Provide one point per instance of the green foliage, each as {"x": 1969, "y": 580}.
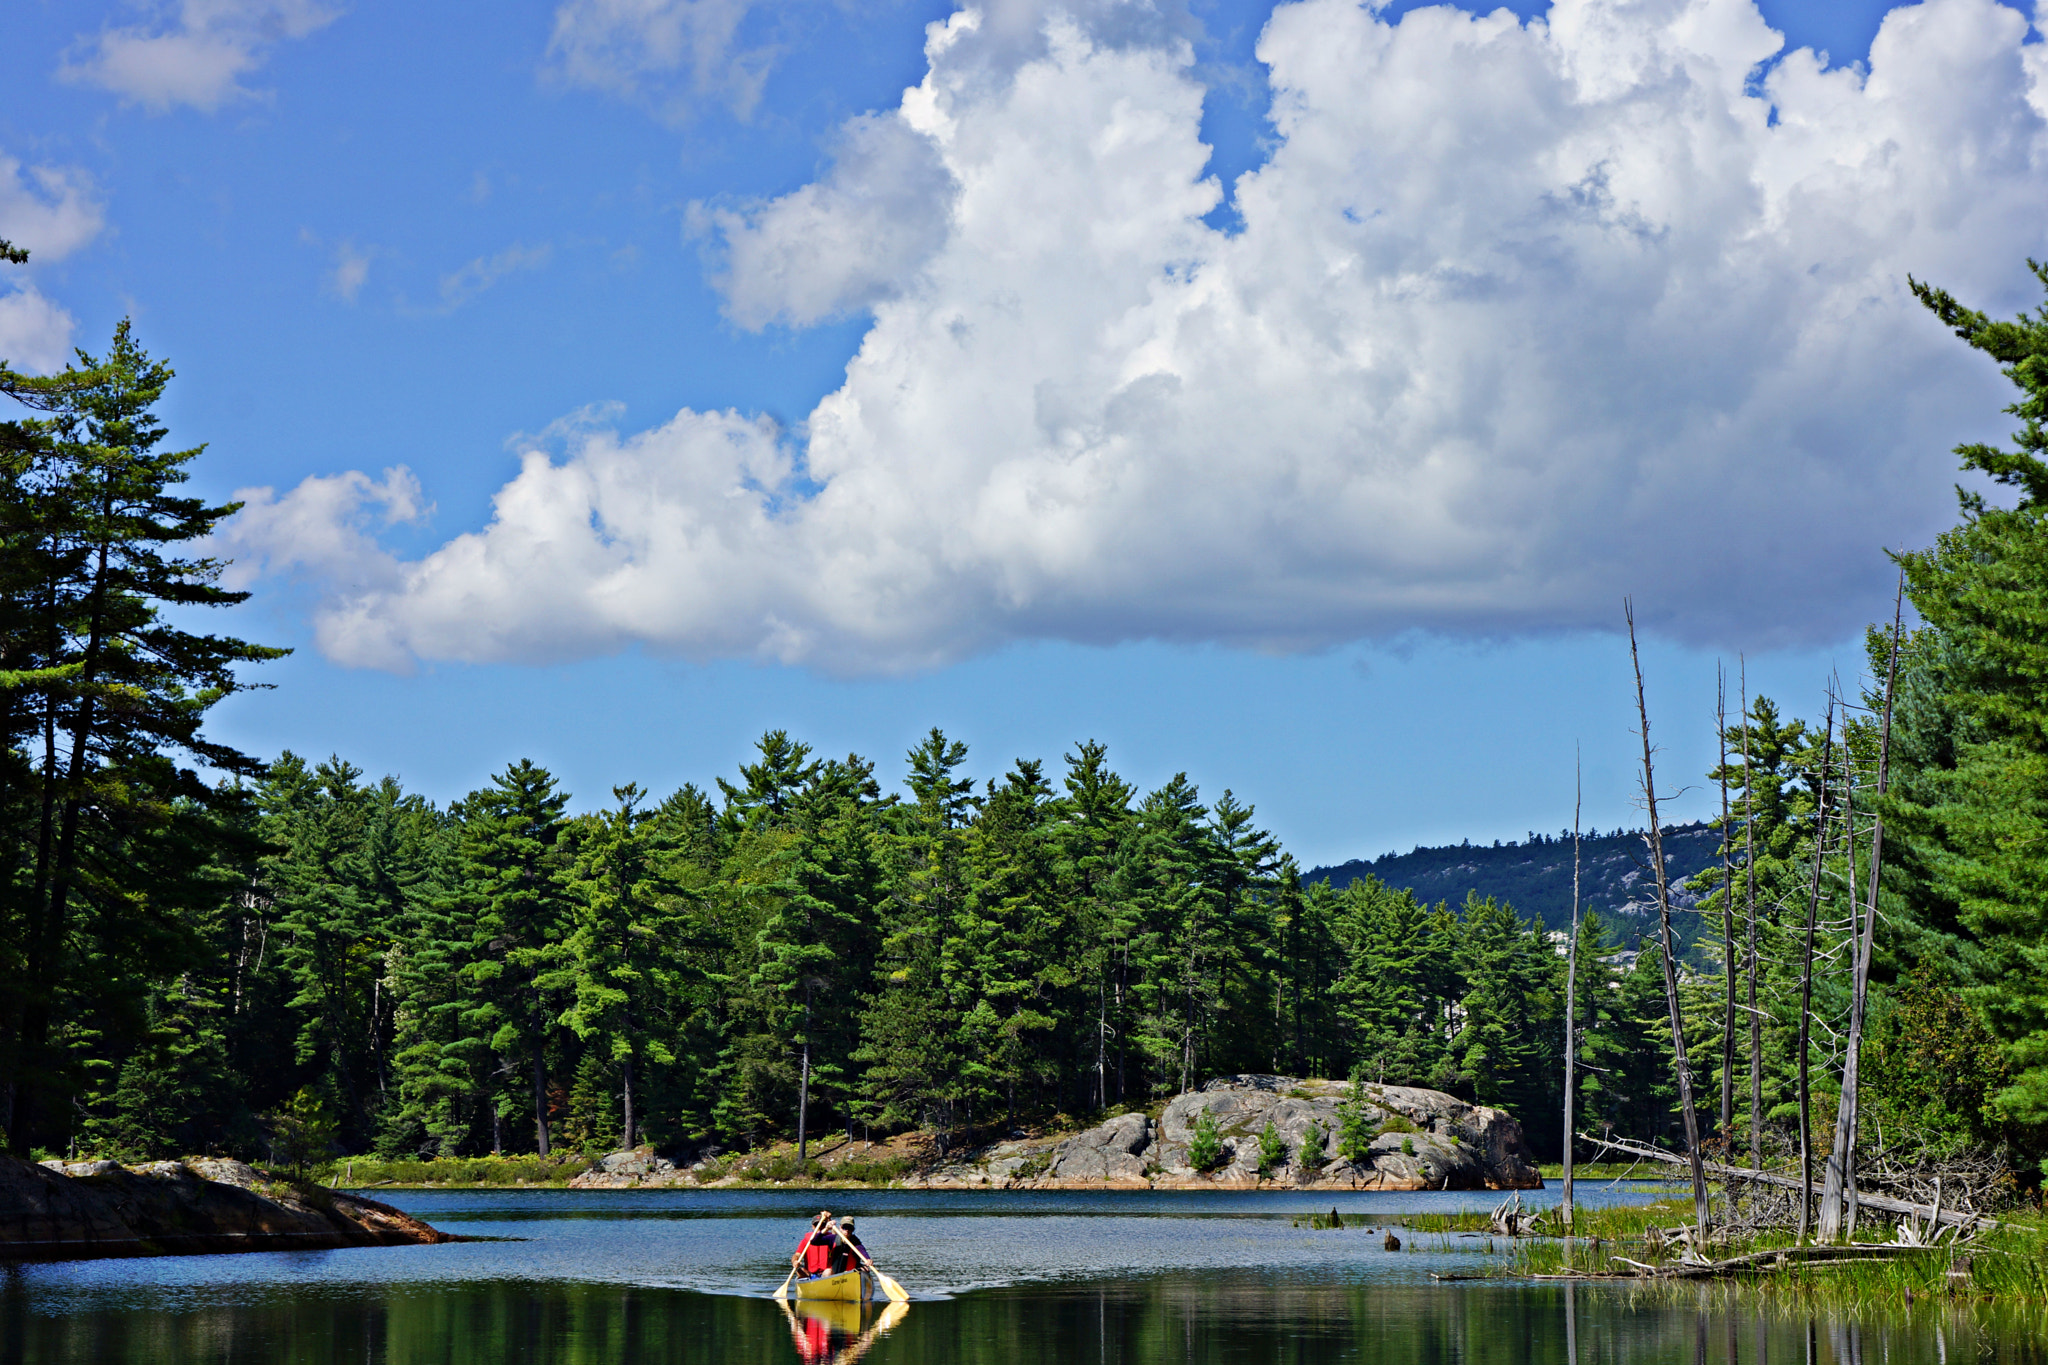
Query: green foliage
{"x": 1205, "y": 1144}
{"x": 302, "y": 1132}
{"x": 359, "y": 1172}
{"x": 1272, "y": 1150}
{"x": 1314, "y": 1151}
{"x": 869, "y": 1171}
{"x": 1935, "y": 1071}
{"x": 1407, "y": 1146}
{"x": 1355, "y": 1130}
{"x": 1970, "y": 810}
{"x": 113, "y": 850}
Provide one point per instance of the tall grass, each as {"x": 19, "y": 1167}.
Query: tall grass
{"x": 2008, "y": 1264}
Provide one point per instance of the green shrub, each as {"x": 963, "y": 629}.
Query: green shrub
{"x": 1314, "y": 1149}
{"x": 1272, "y": 1149}
{"x": 1407, "y": 1146}
{"x": 476, "y": 1170}
{"x": 1355, "y": 1130}
{"x": 302, "y": 1133}
{"x": 869, "y": 1171}
{"x": 1205, "y": 1148}
{"x": 1397, "y": 1123}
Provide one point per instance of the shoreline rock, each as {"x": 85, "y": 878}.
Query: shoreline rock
{"x": 1424, "y": 1140}
{"x": 1427, "y": 1140}
{"x": 60, "y": 1211}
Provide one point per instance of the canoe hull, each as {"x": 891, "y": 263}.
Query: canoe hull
{"x": 852, "y": 1286}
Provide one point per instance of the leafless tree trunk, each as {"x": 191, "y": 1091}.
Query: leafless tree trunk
{"x": 1756, "y": 1019}
{"x": 1838, "y": 1208}
{"x": 1820, "y": 831}
{"x": 1727, "y": 920}
{"x": 626, "y": 1089}
{"x": 540, "y": 1101}
{"x": 1681, "y": 1064}
{"x": 1571, "y": 1000}
{"x": 1829, "y": 1223}
{"x": 803, "y": 1091}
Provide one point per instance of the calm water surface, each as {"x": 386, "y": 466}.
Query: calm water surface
{"x": 622, "y": 1277}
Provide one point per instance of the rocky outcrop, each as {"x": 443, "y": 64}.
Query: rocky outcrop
{"x": 1112, "y": 1154}
{"x": 628, "y": 1170}
{"x": 65, "y": 1211}
{"x": 1418, "y": 1139}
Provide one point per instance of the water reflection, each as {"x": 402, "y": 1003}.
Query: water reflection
{"x": 1173, "y": 1317}
{"x": 838, "y": 1333}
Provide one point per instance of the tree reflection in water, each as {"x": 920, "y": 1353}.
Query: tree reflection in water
{"x": 1207, "y": 1318}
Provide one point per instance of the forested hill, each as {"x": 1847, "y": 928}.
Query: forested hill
{"x": 1536, "y": 876}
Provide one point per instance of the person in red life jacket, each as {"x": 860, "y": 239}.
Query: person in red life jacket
{"x": 844, "y": 1246}
{"x": 813, "y": 1255}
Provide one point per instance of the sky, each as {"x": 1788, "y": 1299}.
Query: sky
{"x": 1286, "y": 394}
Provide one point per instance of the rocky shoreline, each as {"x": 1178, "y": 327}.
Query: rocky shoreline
{"x": 1423, "y": 1140}
{"x": 85, "y": 1209}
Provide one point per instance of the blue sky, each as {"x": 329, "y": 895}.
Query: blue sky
{"x": 375, "y": 236}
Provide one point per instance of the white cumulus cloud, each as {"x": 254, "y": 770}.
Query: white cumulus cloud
{"x": 196, "y": 54}
{"x": 50, "y": 212}
{"x": 1520, "y": 317}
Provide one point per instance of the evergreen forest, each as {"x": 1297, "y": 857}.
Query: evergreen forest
{"x": 200, "y": 948}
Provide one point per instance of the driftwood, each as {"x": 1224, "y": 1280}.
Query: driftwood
{"x": 1882, "y": 1203}
{"x": 1783, "y": 1257}
{"x": 1778, "y": 1258}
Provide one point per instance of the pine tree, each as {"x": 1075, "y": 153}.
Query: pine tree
{"x": 1979, "y": 825}
{"x": 1091, "y": 842}
{"x": 617, "y": 965}
{"x": 513, "y": 877}
{"x": 911, "y": 1026}
{"x": 110, "y": 695}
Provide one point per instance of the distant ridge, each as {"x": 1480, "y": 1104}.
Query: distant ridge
{"x": 1535, "y": 875}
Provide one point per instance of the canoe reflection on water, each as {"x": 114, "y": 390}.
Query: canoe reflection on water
{"x": 838, "y": 1331}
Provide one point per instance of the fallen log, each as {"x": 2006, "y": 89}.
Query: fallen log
{"x": 1882, "y": 1203}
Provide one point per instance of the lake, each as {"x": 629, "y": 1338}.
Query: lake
{"x": 620, "y": 1277}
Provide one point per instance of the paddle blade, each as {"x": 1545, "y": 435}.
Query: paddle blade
{"x": 892, "y": 1289}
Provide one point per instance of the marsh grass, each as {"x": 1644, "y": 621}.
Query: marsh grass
{"x": 2007, "y": 1265}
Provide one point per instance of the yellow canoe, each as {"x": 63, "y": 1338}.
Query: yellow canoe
{"x": 851, "y": 1286}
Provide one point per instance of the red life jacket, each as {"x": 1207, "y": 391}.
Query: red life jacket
{"x": 818, "y": 1254}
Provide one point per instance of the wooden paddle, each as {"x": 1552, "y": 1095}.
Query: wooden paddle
{"x": 797, "y": 1260}
{"x": 889, "y": 1286}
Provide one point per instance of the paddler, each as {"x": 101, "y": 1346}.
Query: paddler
{"x": 813, "y": 1255}
{"x": 844, "y": 1247}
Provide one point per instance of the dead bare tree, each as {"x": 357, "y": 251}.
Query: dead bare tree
{"x": 1681, "y": 1064}
{"x": 1727, "y": 919}
{"x": 1756, "y": 1018}
{"x": 1820, "y": 830}
{"x": 1838, "y": 1192}
{"x": 1571, "y": 998}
